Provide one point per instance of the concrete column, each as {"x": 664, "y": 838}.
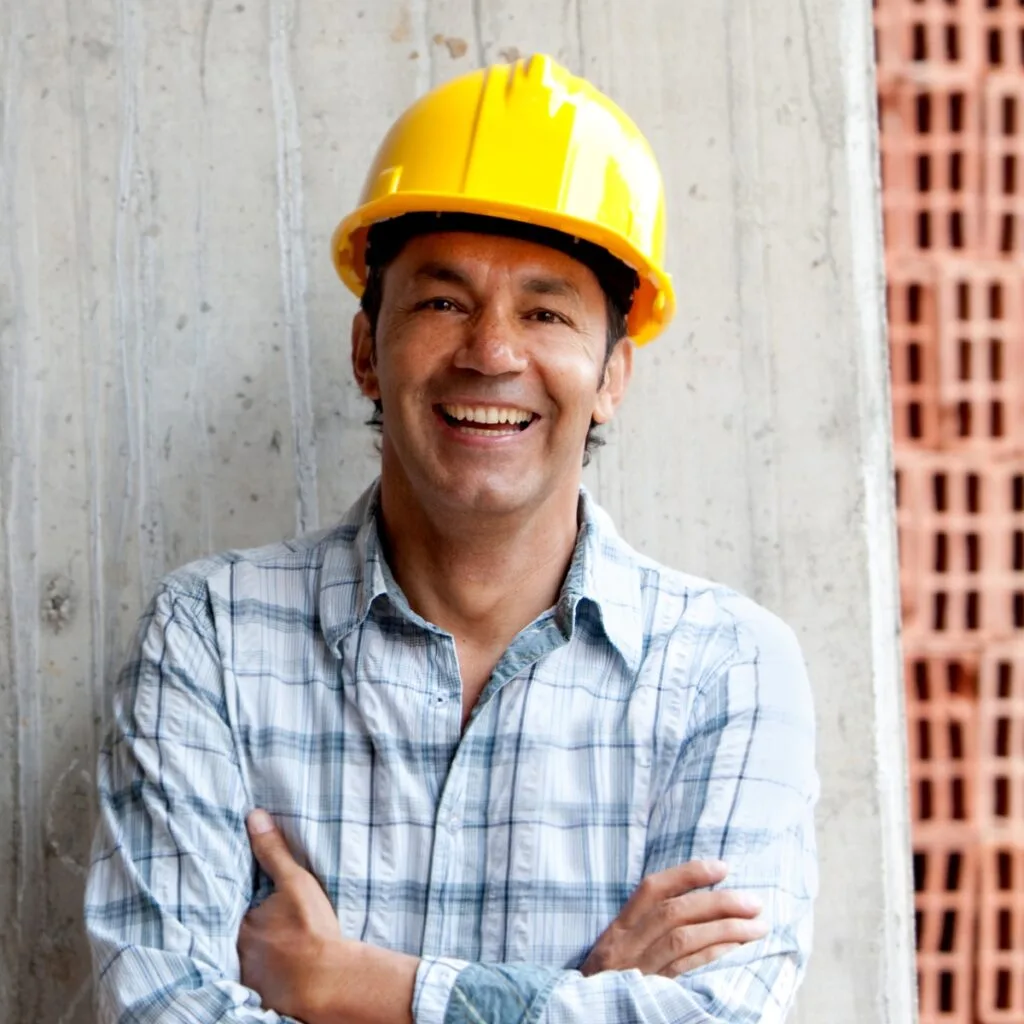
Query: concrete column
{"x": 174, "y": 379}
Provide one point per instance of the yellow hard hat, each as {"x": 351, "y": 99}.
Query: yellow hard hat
{"x": 527, "y": 142}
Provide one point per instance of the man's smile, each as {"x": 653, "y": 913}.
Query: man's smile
{"x": 485, "y": 420}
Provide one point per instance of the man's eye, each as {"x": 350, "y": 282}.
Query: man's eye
{"x": 547, "y": 316}
{"x": 438, "y": 305}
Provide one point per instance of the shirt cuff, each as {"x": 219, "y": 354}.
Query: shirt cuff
{"x": 435, "y": 979}
{"x": 456, "y": 992}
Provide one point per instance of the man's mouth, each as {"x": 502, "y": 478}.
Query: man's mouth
{"x": 486, "y": 419}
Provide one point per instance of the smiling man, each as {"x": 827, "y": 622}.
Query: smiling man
{"x": 467, "y": 756}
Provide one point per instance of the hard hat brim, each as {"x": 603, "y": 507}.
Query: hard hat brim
{"x": 654, "y": 301}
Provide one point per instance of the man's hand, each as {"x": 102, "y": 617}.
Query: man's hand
{"x": 666, "y": 928}
{"x": 285, "y": 944}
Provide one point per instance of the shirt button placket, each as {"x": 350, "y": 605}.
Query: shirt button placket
{"x": 441, "y": 924}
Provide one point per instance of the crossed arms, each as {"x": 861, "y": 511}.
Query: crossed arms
{"x": 171, "y": 882}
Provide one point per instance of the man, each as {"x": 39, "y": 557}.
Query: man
{"x": 491, "y": 759}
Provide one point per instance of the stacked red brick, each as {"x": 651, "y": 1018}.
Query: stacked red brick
{"x": 951, "y": 103}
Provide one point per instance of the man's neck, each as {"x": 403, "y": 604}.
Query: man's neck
{"x": 481, "y": 578}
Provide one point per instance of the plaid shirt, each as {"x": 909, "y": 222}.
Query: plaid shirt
{"x": 647, "y": 719}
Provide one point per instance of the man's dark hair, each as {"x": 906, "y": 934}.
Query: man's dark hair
{"x": 387, "y": 239}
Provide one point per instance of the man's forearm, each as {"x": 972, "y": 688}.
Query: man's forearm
{"x": 362, "y": 984}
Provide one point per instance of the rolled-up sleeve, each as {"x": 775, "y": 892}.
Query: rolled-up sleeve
{"x": 743, "y": 789}
{"x": 171, "y": 874}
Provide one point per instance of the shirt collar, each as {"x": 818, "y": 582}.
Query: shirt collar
{"x": 603, "y": 572}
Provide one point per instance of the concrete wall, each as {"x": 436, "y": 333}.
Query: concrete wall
{"x": 173, "y": 372}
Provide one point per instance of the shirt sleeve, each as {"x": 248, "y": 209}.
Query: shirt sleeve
{"x": 172, "y": 871}
{"x": 743, "y": 789}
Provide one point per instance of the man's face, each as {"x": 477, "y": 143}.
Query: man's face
{"x": 489, "y": 361}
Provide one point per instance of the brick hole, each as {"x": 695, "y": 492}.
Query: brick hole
{"x": 956, "y": 112}
{"x": 914, "y": 304}
{"x": 959, "y": 803}
{"x": 921, "y": 679}
{"x": 995, "y": 359}
{"x": 1004, "y": 869}
{"x": 995, "y": 301}
{"x": 914, "y": 425}
{"x": 1018, "y": 493}
{"x": 924, "y": 788}
{"x": 1005, "y": 930}
{"x": 920, "y": 870}
{"x": 1006, "y": 233}
{"x": 954, "y": 868}
{"x": 924, "y": 230}
{"x": 973, "y": 492}
{"x": 1018, "y": 550}
{"x": 914, "y": 363}
{"x": 898, "y": 485}
{"x": 946, "y": 992}
{"x": 1018, "y": 610}
{"x": 1009, "y": 174}
{"x": 1003, "y": 990}
{"x": 956, "y": 741}
{"x": 972, "y": 611}
{"x": 956, "y": 229}
{"x": 973, "y": 544}
{"x": 918, "y": 930}
{"x": 963, "y": 301}
{"x": 1001, "y": 797}
{"x": 964, "y": 359}
{"x": 924, "y": 740}
{"x": 956, "y": 172}
{"x": 941, "y": 552}
{"x": 1009, "y": 119}
{"x": 963, "y": 419}
{"x": 939, "y": 613}
{"x": 1020, "y": 45}
{"x": 923, "y": 112}
{"x": 995, "y": 419}
{"x": 939, "y": 491}
{"x": 955, "y": 678}
{"x": 920, "y": 43}
{"x": 952, "y": 42}
{"x": 924, "y": 173}
{"x": 995, "y": 47}
{"x": 1002, "y": 737}
{"x": 1005, "y": 679}
{"x": 947, "y": 940}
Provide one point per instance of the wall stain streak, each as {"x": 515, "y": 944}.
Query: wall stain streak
{"x": 19, "y": 452}
{"x": 290, "y": 215}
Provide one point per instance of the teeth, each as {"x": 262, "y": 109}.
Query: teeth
{"x": 486, "y": 414}
{"x": 486, "y": 433}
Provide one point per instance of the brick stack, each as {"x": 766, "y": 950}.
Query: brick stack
{"x": 951, "y": 107}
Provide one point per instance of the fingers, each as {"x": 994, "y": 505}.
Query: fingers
{"x": 269, "y": 847}
{"x": 700, "y": 959}
{"x": 696, "y": 908}
{"x": 674, "y": 881}
{"x": 689, "y": 943}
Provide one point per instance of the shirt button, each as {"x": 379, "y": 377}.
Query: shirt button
{"x": 454, "y": 823}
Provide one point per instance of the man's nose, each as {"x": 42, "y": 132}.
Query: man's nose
{"x": 492, "y": 344}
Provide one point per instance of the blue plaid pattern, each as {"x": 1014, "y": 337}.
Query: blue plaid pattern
{"x": 648, "y": 719}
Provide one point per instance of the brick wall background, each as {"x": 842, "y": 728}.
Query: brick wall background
{"x": 951, "y": 107}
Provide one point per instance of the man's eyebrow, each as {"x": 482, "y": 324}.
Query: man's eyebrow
{"x": 445, "y": 273}
{"x": 552, "y": 286}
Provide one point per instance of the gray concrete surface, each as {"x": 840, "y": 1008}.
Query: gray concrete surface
{"x": 173, "y": 373}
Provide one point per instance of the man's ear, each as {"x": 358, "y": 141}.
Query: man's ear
{"x": 617, "y": 375}
{"x": 364, "y": 356}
